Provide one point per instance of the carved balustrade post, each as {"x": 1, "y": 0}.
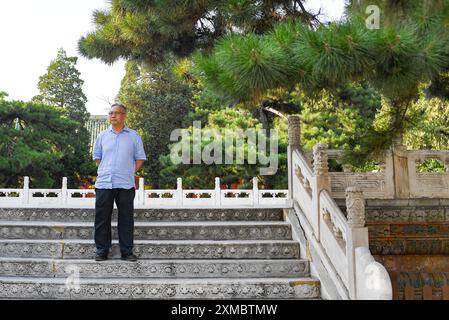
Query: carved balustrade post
{"x": 400, "y": 169}
{"x": 294, "y": 143}
{"x": 357, "y": 233}
{"x": 26, "y": 190}
{"x": 321, "y": 182}
{"x": 179, "y": 195}
{"x": 141, "y": 192}
{"x": 64, "y": 191}
{"x": 255, "y": 192}
{"x": 355, "y": 207}
{"x": 217, "y": 192}
{"x": 294, "y": 131}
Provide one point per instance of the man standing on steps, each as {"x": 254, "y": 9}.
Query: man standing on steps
{"x": 119, "y": 153}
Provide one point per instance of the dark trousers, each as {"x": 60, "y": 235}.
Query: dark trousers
{"x": 104, "y": 203}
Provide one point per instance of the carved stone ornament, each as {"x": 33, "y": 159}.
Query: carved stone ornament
{"x": 320, "y": 165}
{"x": 355, "y": 206}
{"x": 294, "y": 131}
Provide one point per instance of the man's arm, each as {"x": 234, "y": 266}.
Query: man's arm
{"x": 139, "y": 153}
{"x": 97, "y": 151}
{"x": 139, "y": 163}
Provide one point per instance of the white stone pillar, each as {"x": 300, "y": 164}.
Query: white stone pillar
{"x": 294, "y": 139}
{"x": 64, "y": 191}
{"x": 217, "y": 192}
{"x": 179, "y": 196}
{"x": 358, "y": 234}
{"x": 26, "y": 191}
{"x": 255, "y": 192}
{"x": 320, "y": 182}
{"x": 141, "y": 192}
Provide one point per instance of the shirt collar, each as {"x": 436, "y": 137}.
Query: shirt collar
{"x": 125, "y": 129}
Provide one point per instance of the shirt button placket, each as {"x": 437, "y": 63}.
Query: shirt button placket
{"x": 114, "y": 169}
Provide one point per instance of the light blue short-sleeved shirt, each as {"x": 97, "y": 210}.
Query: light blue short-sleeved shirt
{"x": 118, "y": 153}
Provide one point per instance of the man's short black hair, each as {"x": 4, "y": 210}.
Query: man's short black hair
{"x": 119, "y": 105}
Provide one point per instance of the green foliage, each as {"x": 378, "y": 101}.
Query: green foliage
{"x": 62, "y": 86}
{"x": 343, "y": 120}
{"x": 39, "y": 141}
{"x": 150, "y": 30}
{"x": 243, "y": 63}
{"x": 394, "y": 60}
{"x": 354, "y": 88}
{"x": 429, "y": 126}
{"x": 432, "y": 165}
{"x": 202, "y": 176}
{"x": 157, "y": 103}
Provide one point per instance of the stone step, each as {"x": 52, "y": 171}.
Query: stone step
{"x": 267, "y": 288}
{"x": 26, "y": 267}
{"x": 150, "y": 231}
{"x": 145, "y": 249}
{"x": 144, "y": 215}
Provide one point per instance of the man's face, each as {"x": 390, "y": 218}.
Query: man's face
{"x": 117, "y": 116}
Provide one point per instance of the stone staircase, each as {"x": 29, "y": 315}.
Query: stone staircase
{"x": 183, "y": 254}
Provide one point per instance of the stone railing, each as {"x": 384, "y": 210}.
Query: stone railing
{"x": 340, "y": 241}
{"x": 153, "y": 198}
{"x": 397, "y": 177}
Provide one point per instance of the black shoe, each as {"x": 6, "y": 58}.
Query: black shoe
{"x": 129, "y": 257}
{"x": 101, "y": 257}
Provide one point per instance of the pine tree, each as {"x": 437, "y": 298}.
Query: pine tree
{"x": 148, "y": 30}
{"x": 38, "y": 141}
{"x": 157, "y": 103}
{"x": 61, "y": 86}
{"x": 395, "y": 60}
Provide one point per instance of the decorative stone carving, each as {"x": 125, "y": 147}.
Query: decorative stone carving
{"x": 294, "y": 131}
{"x": 298, "y": 172}
{"x": 149, "y": 232}
{"x": 146, "y": 215}
{"x": 83, "y": 250}
{"x": 320, "y": 165}
{"x": 97, "y": 289}
{"x": 355, "y": 206}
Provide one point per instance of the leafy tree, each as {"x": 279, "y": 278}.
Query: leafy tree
{"x": 430, "y": 128}
{"x": 61, "y": 86}
{"x": 342, "y": 121}
{"x": 157, "y": 102}
{"x": 202, "y": 176}
{"x": 395, "y": 60}
{"x": 149, "y": 30}
{"x": 38, "y": 141}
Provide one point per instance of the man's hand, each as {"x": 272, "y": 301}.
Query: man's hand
{"x": 139, "y": 164}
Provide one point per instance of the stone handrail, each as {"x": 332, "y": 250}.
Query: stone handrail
{"x": 153, "y": 198}
{"x": 426, "y": 184}
{"x": 397, "y": 177}
{"x": 338, "y": 239}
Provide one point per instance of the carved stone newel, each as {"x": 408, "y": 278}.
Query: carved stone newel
{"x": 320, "y": 165}
{"x": 355, "y": 207}
{"x": 294, "y": 131}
